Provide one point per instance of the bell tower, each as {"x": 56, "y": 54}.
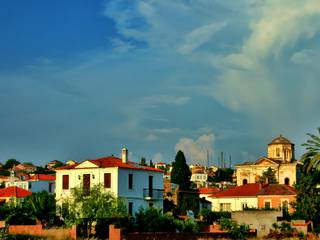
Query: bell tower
{"x": 281, "y": 149}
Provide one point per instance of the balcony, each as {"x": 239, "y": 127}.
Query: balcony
{"x": 152, "y": 194}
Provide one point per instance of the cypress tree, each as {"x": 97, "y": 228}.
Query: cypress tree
{"x": 181, "y": 173}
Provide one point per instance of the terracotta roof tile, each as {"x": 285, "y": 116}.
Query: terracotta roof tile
{"x": 14, "y": 191}
{"x": 106, "y": 162}
{"x": 277, "y": 189}
{"x": 43, "y": 177}
{"x": 246, "y": 190}
{"x": 209, "y": 190}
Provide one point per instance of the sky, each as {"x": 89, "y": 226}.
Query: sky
{"x": 81, "y": 79}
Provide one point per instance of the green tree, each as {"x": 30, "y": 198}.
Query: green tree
{"x": 311, "y": 159}
{"x": 42, "y": 206}
{"x": 10, "y": 163}
{"x": 308, "y": 197}
{"x": 181, "y": 173}
{"x": 84, "y": 209}
{"x": 268, "y": 176}
{"x": 222, "y": 174}
{"x": 307, "y": 203}
{"x": 143, "y": 161}
{"x": 151, "y": 163}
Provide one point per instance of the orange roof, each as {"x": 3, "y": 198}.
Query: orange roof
{"x": 277, "y": 189}
{"x": 14, "y": 191}
{"x": 43, "y": 177}
{"x": 209, "y": 190}
{"x": 247, "y": 190}
{"x": 106, "y": 162}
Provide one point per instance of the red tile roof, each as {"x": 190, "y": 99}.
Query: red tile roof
{"x": 43, "y": 177}
{"x": 247, "y": 190}
{"x": 209, "y": 190}
{"x": 277, "y": 189}
{"x": 14, "y": 192}
{"x": 106, "y": 162}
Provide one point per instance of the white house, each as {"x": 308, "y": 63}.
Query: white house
{"x": 236, "y": 198}
{"x": 139, "y": 186}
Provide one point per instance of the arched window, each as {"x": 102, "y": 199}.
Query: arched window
{"x": 278, "y": 152}
{"x": 286, "y": 181}
{"x": 244, "y": 181}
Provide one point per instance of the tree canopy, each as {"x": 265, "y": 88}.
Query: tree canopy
{"x": 181, "y": 173}
{"x": 10, "y": 163}
{"x": 268, "y": 176}
{"x": 311, "y": 159}
{"x": 308, "y": 197}
{"x": 222, "y": 174}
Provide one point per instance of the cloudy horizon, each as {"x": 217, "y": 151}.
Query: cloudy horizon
{"x": 82, "y": 79}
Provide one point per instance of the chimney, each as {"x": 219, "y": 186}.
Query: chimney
{"x": 124, "y": 155}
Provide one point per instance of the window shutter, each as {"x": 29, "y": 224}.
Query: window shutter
{"x": 107, "y": 180}
{"x": 65, "y": 182}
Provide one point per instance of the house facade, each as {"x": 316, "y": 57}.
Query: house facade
{"x": 139, "y": 186}
{"x": 236, "y": 198}
{"x": 277, "y": 196}
{"x": 280, "y": 158}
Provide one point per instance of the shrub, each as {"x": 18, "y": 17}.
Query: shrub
{"x": 209, "y": 217}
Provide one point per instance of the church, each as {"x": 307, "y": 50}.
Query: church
{"x": 280, "y": 158}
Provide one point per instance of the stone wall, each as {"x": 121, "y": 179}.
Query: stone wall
{"x": 37, "y": 230}
{"x": 260, "y": 220}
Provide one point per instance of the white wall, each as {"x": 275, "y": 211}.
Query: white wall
{"x": 119, "y": 183}
{"x": 236, "y": 203}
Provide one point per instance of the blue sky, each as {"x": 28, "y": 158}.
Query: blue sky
{"x": 82, "y": 79}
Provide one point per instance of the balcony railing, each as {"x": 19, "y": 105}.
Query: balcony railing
{"x": 152, "y": 194}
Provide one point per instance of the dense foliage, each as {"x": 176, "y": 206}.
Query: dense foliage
{"x": 210, "y": 217}
{"x": 237, "y": 231}
{"x": 268, "y": 176}
{"x": 10, "y": 163}
{"x": 85, "y": 207}
{"x": 152, "y": 220}
{"x": 181, "y": 173}
{"x": 308, "y": 198}
{"x": 222, "y": 175}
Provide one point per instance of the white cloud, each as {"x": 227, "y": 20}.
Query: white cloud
{"x": 166, "y": 99}
{"x": 305, "y": 56}
{"x": 199, "y": 36}
{"x": 196, "y": 150}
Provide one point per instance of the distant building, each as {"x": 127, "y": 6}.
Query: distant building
{"x": 54, "y": 164}
{"x": 280, "y": 158}
{"x": 71, "y": 162}
{"x": 26, "y": 167}
{"x": 139, "y": 186}
{"x": 13, "y": 194}
{"x": 34, "y": 183}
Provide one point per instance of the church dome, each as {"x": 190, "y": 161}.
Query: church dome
{"x": 280, "y": 140}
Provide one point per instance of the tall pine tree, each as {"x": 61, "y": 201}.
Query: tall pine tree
{"x": 181, "y": 173}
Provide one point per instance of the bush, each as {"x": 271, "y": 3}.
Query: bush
{"x": 237, "y": 231}
{"x": 153, "y": 220}
{"x": 209, "y": 217}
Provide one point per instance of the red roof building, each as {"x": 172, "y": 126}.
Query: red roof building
{"x": 12, "y": 193}
{"x": 107, "y": 162}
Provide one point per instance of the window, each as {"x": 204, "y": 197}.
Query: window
{"x": 278, "y": 152}
{"x": 267, "y": 204}
{"x": 286, "y": 181}
{"x": 130, "y": 182}
{"x": 130, "y": 207}
{"x": 244, "y": 181}
{"x": 65, "y": 181}
{"x": 225, "y": 207}
{"x": 244, "y": 206}
{"x": 107, "y": 180}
